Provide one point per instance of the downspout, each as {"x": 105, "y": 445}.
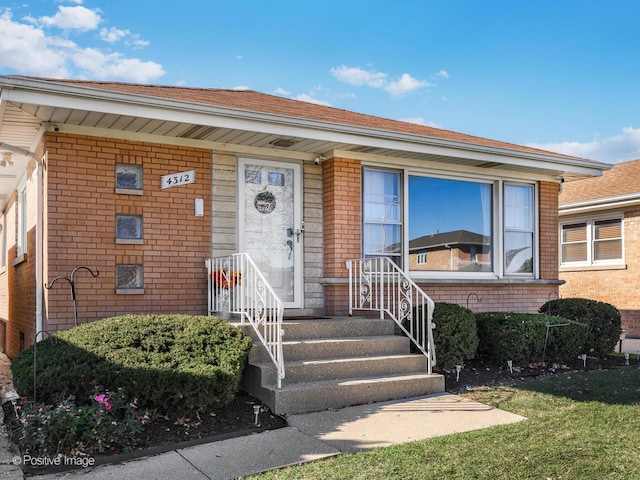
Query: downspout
{"x": 40, "y": 333}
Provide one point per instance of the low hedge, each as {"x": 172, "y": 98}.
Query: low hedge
{"x": 603, "y": 319}
{"x": 455, "y": 335}
{"x": 520, "y": 337}
{"x": 167, "y": 362}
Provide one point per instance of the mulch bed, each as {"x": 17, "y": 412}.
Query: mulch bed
{"x": 168, "y": 433}
{"x": 480, "y": 372}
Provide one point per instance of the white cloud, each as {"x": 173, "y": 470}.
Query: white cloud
{"x": 113, "y": 34}
{"x": 308, "y": 98}
{"x": 613, "y": 149}
{"x": 241, "y": 88}
{"x": 73, "y": 18}
{"x": 442, "y": 74}
{"x": 282, "y": 91}
{"x": 31, "y": 49}
{"x": 405, "y": 85}
{"x": 358, "y": 77}
{"x": 96, "y": 64}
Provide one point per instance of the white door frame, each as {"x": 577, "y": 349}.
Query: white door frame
{"x": 298, "y": 224}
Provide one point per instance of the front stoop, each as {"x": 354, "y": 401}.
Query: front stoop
{"x": 338, "y": 362}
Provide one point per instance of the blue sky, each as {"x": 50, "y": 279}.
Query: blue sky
{"x": 563, "y": 75}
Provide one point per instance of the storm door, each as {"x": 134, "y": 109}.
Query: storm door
{"x": 271, "y": 230}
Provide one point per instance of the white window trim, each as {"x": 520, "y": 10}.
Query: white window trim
{"x": 536, "y": 229}
{"x": 402, "y": 257}
{"x": 590, "y": 222}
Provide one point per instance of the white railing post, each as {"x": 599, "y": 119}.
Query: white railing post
{"x": 235, "y": 285}
{"x": 381, "y": 286}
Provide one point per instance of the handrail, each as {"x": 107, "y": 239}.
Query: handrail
{"x": 378, "y": 284}
{"x": 236, "y": 285}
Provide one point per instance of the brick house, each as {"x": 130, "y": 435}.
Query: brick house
{"x": 600, "y": 240}
{"x": 143, "y": 183}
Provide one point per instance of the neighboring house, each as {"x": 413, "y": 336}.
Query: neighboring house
{"x": 459, "y": 251}
{"x": 600, "y": 240}
{"x": 143, "y": 183}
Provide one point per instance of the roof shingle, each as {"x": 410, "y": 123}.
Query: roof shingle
{"x": 253, "y": 101}
{"x": 622, "y": 179}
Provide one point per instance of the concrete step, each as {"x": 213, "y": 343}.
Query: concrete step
{"x": 326, "y": 348}
{"x": 328, "y": 328}
{"x": 339, "y": 368}
{"x": 337, "y": 327}
{"x": 317, "y": 396}
{"x": 337, "y": 362}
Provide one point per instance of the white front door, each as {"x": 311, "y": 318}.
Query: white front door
{"x": 270, "y": 224}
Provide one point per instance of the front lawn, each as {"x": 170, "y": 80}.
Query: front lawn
{"x": 580, "y": 425}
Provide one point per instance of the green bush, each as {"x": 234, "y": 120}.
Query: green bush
{"x": 455, "y": 335}
{"x": 603, "y": 319}
{"x": 520, "y": 337}
{"x": 168, "y": 362}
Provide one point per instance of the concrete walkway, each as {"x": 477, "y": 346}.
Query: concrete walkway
{"x": 309, "y": 437}
{"x": 630, "y": 346}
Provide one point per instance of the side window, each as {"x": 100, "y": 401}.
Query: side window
{"x": 518, "y": 228}
{"x": 591, "y": 242}
{"x": 382, "y": 215}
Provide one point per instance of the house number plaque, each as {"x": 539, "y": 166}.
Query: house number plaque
{"x": 176, "y": 179}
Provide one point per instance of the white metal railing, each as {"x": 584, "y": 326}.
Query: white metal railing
{"x": 236, "y": 285}
{"x": 378, "y": 284}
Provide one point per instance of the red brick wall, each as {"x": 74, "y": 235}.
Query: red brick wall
{"x": 342, "y": 214}
{"x": 81, "y": 211}
{"x": 548, "y": 230}
{"x": 22, "y": 292}
{"x": 618, "y": 287}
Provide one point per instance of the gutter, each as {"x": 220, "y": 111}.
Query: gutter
{"x": 620, "y": 201}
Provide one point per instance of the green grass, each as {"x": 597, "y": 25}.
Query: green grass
{"x": 579, "y": 426}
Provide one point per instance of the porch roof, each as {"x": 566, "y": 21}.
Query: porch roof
{"x": 247, "y": 122}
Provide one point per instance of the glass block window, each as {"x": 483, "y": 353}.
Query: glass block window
{"x": 128, "y": 276}
{"x": 129, "y": 227}
{"x": 129, "y": 176}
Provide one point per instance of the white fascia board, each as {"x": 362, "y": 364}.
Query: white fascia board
{"x": 72, "y": 97}
{"x": 608, "y": 203}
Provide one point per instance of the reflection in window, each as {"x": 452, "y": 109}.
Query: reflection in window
{"x": 276, "y": 179}
{"x": 450, "y": 220}
{"x": 518, "y": 229}
{"x": 382, "y": 214}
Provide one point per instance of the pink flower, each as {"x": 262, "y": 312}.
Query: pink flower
{"x": 99, "y": 398}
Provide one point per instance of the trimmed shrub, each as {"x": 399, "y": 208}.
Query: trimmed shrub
{"x": 455, "y": 335}
{"x": 521, "y": 336}
{"x": 167, "y": 362}
{"x": 603, "y": 319}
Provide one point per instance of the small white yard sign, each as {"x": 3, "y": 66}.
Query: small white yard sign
{"x": 176, "y": 179}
